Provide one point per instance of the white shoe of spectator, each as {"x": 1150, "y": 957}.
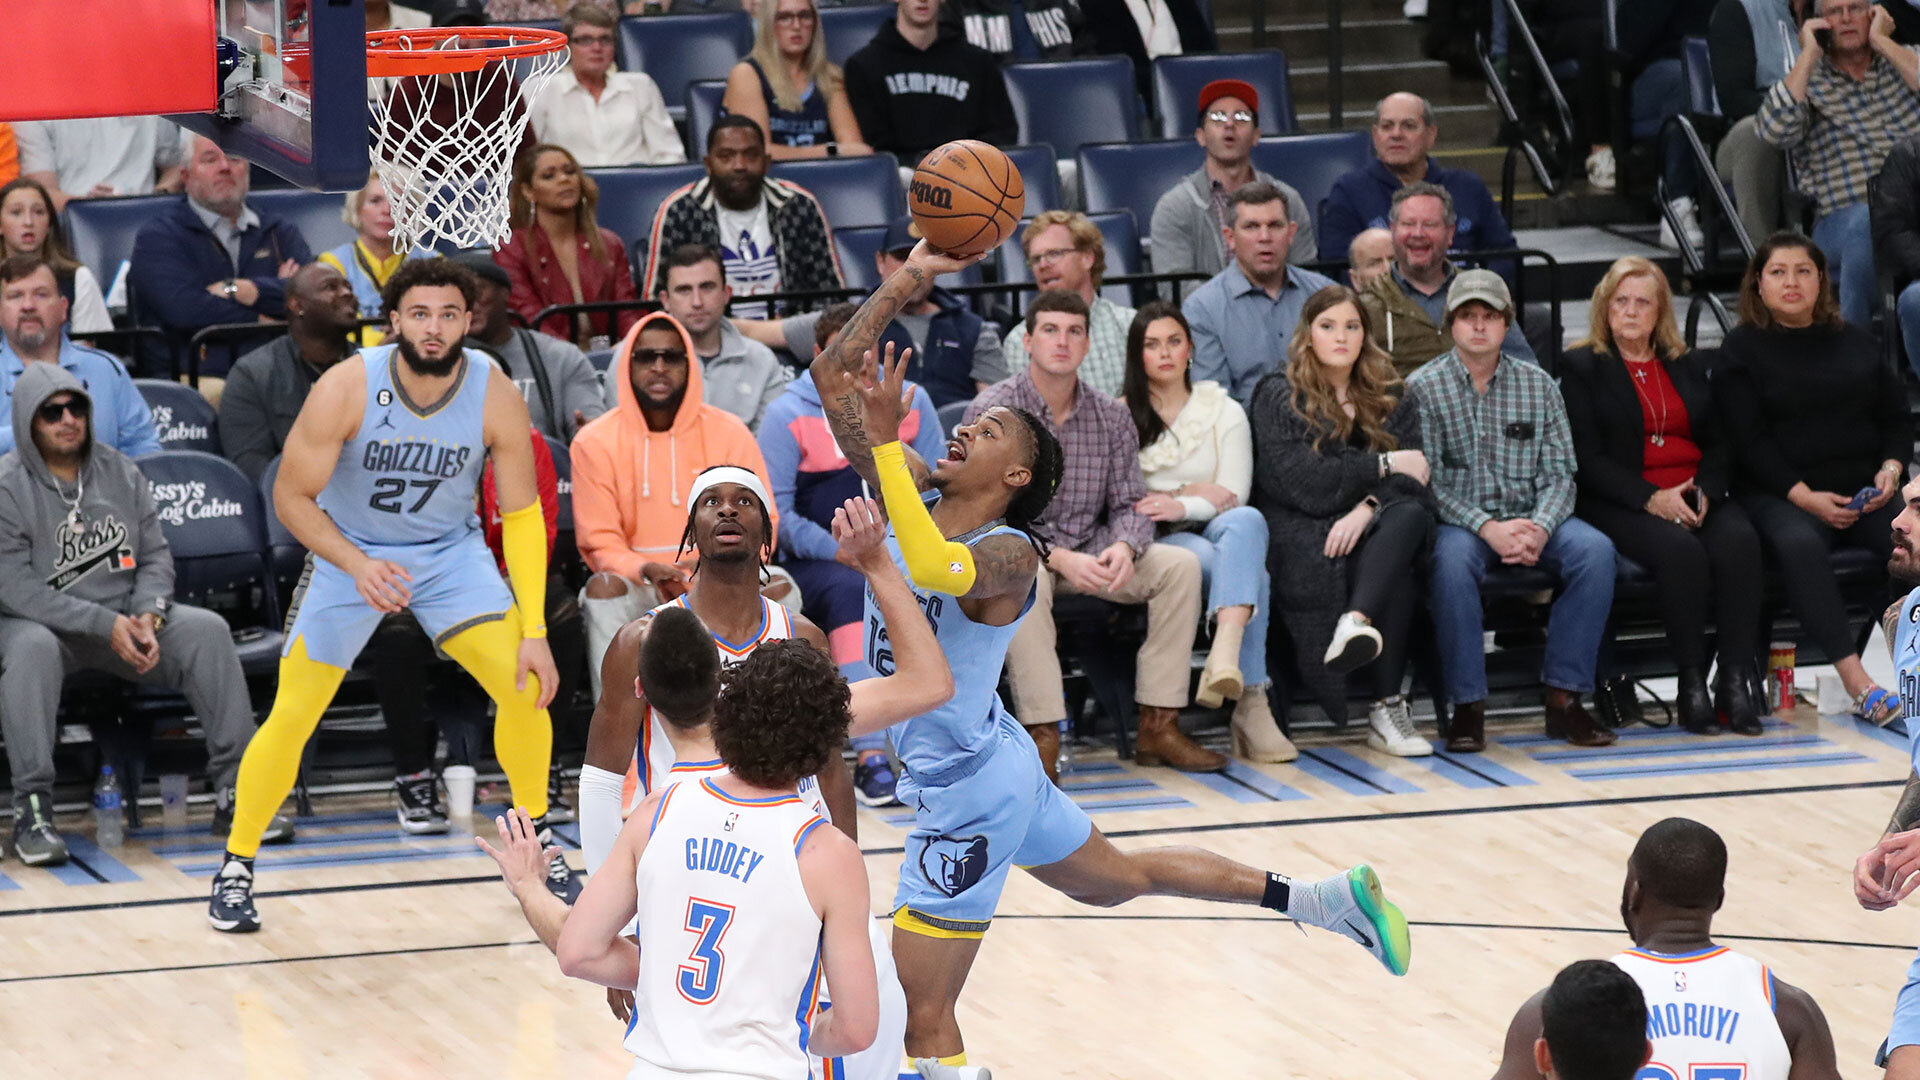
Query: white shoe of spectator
{"x": 1392, "y": 730}
{"x": 1415, "y": 9}
{"x": 1683, "y": 209}
{"x": 1600, "y": 169}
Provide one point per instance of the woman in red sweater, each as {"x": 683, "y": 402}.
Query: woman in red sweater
{"x": 559, "y": 254}
{"x": 1654, "y": 471}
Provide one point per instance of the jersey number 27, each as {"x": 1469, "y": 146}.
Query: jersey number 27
{"x": 389, "y": 490}
{"x": 699, "y": 978}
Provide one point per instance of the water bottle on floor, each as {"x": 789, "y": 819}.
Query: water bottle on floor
{"x": 107, "y": 826}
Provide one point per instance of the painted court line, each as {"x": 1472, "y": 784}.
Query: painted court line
{"x": 1735, "y": 765}
{"x": 1708, "y": 744}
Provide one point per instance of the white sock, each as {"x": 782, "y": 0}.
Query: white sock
{"x": 599, "y": 814}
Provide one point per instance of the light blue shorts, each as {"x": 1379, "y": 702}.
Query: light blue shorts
{"x": 455, "y": 586}
{"x": 971, "y": 825}
{"x": 1906, "y": 1014}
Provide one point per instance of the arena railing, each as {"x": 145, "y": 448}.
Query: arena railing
{"x": 1514, "y": 125}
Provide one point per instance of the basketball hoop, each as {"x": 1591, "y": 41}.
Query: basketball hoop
{"x": 445, "y": 129}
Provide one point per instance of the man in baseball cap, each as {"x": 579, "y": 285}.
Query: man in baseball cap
{"x": 562, "y": 389}
{"x": 1191, "y": 219}
{"x": 1503, "y": 479}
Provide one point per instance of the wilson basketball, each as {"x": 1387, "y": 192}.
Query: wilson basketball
{"x": 966, "y": 197}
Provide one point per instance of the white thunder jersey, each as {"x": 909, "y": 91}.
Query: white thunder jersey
{"x": 729, "y": 944}
{"x": 1709, "y": 1016}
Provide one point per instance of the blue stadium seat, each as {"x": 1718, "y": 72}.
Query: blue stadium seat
{"x": 563, "y": 471}
{"x": 101, "y": 231}
{"x": 1068, "y": 103}
{"x": 1177, "y": 81}
{"x": 852, "y": 191}
{"x": 285, "y": 554}
{"x": 1311, "y": 163}
{"x": 703, "y": 107}
{"x": 1039, "y": 170}
{"x": 857, "y": 247}
{"x": 952, "y": 414}
{"x": 849, "y": 28}
{"x": 1122, "y": 236}
{"x": 315, "y": 213}
{"x": 679, "y": 49}
{"x": 183, "y": 419}
{"x": 1133, "y": 176}
{"x": 215, "y": 527}
{"x": 631, "y": 194}
{"x": 1696, "y": 66}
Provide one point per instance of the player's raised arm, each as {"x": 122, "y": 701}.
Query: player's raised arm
{"x": 590, "y": 946}
{"x": 919, "y": 680}
{"x": 612, "y": 734}
{"x": 523, "y": 529}
{"x": 837, "y": 368}
{"x": 835, "y": 878}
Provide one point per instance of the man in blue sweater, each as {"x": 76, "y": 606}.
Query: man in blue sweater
{"x": 209, "y": 260}
{"x": 1403, "y": 136}
{"x": 33, "y": 329}
{"x": 811, "y": 477}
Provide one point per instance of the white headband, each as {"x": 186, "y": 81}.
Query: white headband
{"x": 729, "y": 474}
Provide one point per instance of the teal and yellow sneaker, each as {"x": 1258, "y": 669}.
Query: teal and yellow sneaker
{"x": 1352, "y": 904}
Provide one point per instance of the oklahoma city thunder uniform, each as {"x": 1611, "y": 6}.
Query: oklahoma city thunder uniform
{"x": 730, "y": 971}
{"x": 981, "y": 800}
{"x": 1709, "y": 1016}
{"x": 404, "y": 491}
{"x": 1904, "y": 639}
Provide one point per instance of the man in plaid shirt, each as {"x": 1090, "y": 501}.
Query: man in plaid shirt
{"x": 1503, "y": 465}
{"x": 1101, "y": 546}
{"x": 1839, "y": 110}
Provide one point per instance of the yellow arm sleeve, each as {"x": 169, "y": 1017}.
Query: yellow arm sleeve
{"x": 933, "y": 561}
{"x": 523, "y": 540}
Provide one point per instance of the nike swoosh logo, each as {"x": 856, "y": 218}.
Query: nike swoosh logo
{"x": 1365, "y": 941}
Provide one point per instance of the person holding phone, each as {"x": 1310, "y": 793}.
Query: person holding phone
{"x": 1815, "y": 414}
{"x": 1654, "y": 470}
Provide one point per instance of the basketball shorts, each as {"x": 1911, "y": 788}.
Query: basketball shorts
{"x": 971, "y": 827}
{"x": 455, "y": 586}
{"x": 1906, "y": 1013}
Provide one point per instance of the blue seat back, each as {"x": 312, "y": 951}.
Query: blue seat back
{"x": 215, "y": 526}
{"x": 1177, "y": 81}
{"x": 1039, "y": 170}
{"x": 852, "y": 191}
{"x": 285, "y": 554}
{"x": 1068, "y": 103}
{"x": 848, "y": 29}
{"x": 563, "y": 473}
{"x": 952, "y": 414}
{"x": 1133, "y": 176}
{"x": 316, "y": 214}
{"x": 675, "y": 50}
{"x": 703, "y": 107}
{"x": 181, "y": 417}
{"x": 629, "y": 197}
{"x": 1696, "y": 66}
{"x": 1118, "y": 230}
{"x": 101, "y": 231}
{"x": 857, "y": 247}
{"x": 1312, "y": 162}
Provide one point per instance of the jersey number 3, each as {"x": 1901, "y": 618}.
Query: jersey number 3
{"x": 389, "y": 490}
{"x": 699, "y": 979}
{"x": 1694, "y": 1072}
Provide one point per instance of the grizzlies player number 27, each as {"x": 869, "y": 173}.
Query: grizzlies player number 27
{"x": 389, "y": 490}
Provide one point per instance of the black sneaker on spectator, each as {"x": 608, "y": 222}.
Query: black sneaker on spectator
{"x": 230, "y": 910}
{"x": 873, "y": 782}
{"x": 559, "y": 810}
{"x": 561, "y": 880}
{"x": 34, "y": 839}
{"x": 279, "y": 830}
{"x": 421, "y": 812}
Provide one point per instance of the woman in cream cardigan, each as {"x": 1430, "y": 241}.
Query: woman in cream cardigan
{"x": 1197, "y": 456}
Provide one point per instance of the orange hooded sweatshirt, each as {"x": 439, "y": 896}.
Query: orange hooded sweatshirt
{"x": 630, "y": 484}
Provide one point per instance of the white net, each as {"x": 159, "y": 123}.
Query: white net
{"x": 443, "y": 144}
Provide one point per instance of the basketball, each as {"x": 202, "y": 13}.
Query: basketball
{"x": 966, "y": 197}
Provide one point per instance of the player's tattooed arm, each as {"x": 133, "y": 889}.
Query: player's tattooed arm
{"x": 1906, "y": 812}
{"x": 1003, "y": 565}
{"x": 1889, "y": 620}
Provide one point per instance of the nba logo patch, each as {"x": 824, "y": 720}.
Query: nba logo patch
{"x": 732, "y": 820}
{"x": 954, "y": 864}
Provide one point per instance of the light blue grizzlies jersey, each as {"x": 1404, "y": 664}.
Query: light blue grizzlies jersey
{"x": 935, "y": 741}
{"x": 1904, "y": 635}
{"x": 410, "y": 475}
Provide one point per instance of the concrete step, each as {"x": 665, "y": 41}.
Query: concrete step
{"x": 1361, "y": 40}
{"x": 1367, "y": 82}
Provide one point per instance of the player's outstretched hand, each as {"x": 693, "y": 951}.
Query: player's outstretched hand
{"x": 884, "y": 400}
{"x": 937, "y": 262}
{"x": 862, "y": 535}
{"x": 383, "y": 585}
{"x": 522, "y": 861}
{"x": 536, "y": 659}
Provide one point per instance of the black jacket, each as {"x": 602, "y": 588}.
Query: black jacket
{"x": 1610, "y": 433}
{"x": 1058, "y": 27}
{"x": 909, "y": 101}
{"x": 1115, "y": 32}
{"x": 1893, "y": 200}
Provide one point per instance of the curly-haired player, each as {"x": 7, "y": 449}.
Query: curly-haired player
{"x": 964, "y": 532}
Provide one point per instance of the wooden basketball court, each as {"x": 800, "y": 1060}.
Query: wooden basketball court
{"x": 396, "y": 957}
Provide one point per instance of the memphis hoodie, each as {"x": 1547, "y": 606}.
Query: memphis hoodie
{"x": 630, "y": 484}
{"x": 74, "y": 562}
{"x": 909, "y": 100}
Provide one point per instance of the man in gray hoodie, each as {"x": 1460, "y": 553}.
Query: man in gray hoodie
{"x": 86, "y": 583}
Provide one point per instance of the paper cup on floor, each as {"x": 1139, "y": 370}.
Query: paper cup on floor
{"x": 459, "y": 780}
{"x": 1834, "y": 700}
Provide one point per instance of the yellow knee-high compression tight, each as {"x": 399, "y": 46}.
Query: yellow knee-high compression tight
{"x": 272, "y": 759}
{"x": 522, "y": 734}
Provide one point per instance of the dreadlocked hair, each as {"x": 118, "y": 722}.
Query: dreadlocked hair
{"x": 1049, "y": 462}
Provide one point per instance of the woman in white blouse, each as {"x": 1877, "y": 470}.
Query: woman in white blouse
{"x": 29, "y": 226}
{"x": 1196, "y": 453}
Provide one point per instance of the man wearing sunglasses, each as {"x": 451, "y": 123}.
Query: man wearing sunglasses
{"x": 86, "y": 583}
{"x": 1189, "y": 220}
{"x": 33, "y": 329}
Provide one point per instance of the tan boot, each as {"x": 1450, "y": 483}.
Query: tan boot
{"x": 1256, "y": 737}
{"x": 1046, "y": 739}
{"x": 1160, "y": 742}
{"x": 1221, "y": 680}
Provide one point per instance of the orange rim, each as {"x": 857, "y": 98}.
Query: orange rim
{"x": 392, "y": 53}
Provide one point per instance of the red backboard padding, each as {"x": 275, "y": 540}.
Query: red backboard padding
{"x": 71, "y": 58}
